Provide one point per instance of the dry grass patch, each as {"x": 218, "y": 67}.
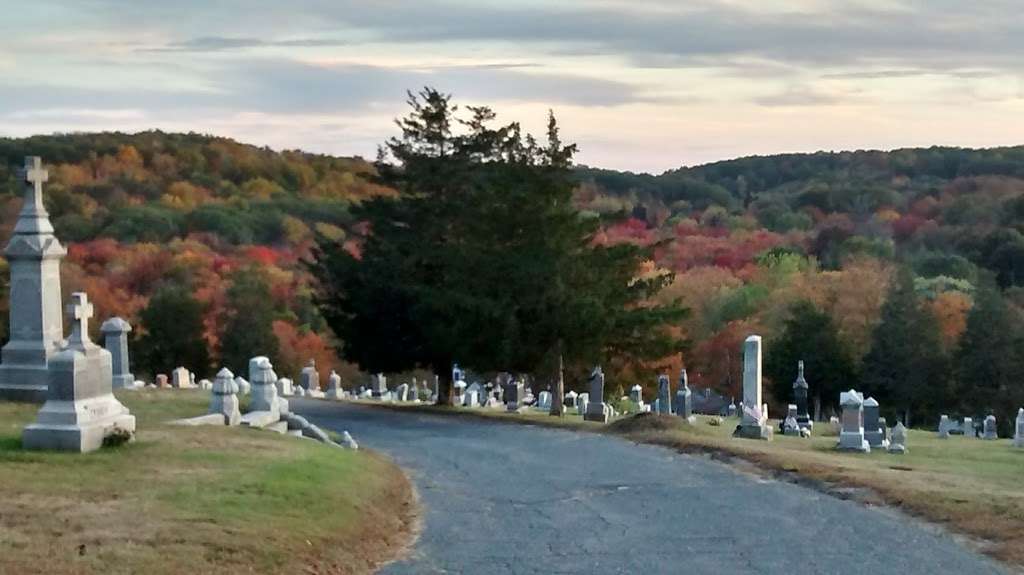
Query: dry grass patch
{"x": 197, "y": 500}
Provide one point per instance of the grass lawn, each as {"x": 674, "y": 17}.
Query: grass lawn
{"x": 971, "y": 486}
{"x": 196, "y": 500}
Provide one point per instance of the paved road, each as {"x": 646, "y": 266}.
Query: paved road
{"x": 508, "y": 499}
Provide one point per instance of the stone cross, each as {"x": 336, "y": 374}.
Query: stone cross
{"x": 35, "y": 174}
{"x": 79, "y": 311}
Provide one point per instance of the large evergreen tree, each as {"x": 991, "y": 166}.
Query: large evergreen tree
{"x": 482, "y": 259}
{"x": 173, "y": 336}
{"x": 990, "y": 360}
{"x": 249, "y": 329}
{"x": 809, "y": 335}
{"x": 906, "y": 368}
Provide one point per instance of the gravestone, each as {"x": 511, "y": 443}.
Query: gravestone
{"x": 582, "y": 403}
{"x": 731, "y": 410}
{"x": 1018, "y": 435}
{"x": 459, "y": 391}
{"x": 664, "y": 395}
{"x": 161, "y": 381}
{"x": 898, "y": 439}
{"x": 378, "y": 385}
{"x": 115, "y": 340}
{"x": 596, "y": 408}
{"x": 264, "y": 388}
{"x": 243, "y": 385}
{"x": 402, "y": 392}
{"x": 800, "y": 392}
{"x": 297, "y": 391}
{"x": 851, "y": 433}
{"x": 225, "y": 399}
{"x": 472, "y": 398}
{"x": 334, "y": 390}
{"x": 205, "y": 384}
{"x": 945, "y": 426}
{"x": 414, "y": 391}
{"x": 36, "y": 320}
{"x": 684, "y": 397}
{"x": 544, "y": 400}
{"x": 991, "y": 432}
{"x": 968, "y": 428}
{"x": 309, "y": 379}
{"x": 514, "y": 393}
{"x": 285, "y": 387}
{"x": 80, "y": 409}
{"x": 570, "y": 399}
{"x": 872, "y": 426}
{"x": 636, "y": 395}
{"x": 754, "y": 422}
{"x": 181, "y": 378}
{"x": 791, "y": 426}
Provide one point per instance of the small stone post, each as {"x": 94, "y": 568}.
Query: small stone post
{"x": 115, "y": 331}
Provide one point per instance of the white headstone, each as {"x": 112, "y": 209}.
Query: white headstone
{"x": 898, "y": 439}
{"x": 851, "y": 434}
{"x": 81, "y": 410}
{"x": 945, "y": 426}
{"x": 991, "y": 433}
{"x": 754, "y": 422}
{"x": 181, "y": 378}
{"x": 334, "y": 390}
{"x": 544, "y": 400}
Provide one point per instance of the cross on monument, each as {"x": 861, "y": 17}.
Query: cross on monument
{"x": 36, "y": 175}
{"x": 79, "y": 311}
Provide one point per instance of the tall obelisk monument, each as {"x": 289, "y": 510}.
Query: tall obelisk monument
{"x": 37, "y": 329}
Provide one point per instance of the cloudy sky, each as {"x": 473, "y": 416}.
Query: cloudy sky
{"x": 639, "y": 84}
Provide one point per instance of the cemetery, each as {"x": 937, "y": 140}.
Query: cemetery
{"x": 149, "y": 486}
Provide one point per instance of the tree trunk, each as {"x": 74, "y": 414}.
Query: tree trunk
{"x": 559, "y": 392}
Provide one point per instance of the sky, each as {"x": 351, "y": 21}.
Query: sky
{"x": 641, "y": 85}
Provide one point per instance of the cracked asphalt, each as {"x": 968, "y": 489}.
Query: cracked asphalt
{"x": 506, "y": 499}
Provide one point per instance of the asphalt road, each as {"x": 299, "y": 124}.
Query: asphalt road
{"x": 507, "y": 499}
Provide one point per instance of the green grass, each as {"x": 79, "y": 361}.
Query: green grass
{"x": 195, "y": 499}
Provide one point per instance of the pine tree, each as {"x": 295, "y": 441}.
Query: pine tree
{"x": 173, "y": 324}
{"x": 249, "y": 330}
{"x": 809, "y": 335}
{"x": 990, "y": 359}
{"x": 906, "y": 369}
{"x": 482, "y": 259}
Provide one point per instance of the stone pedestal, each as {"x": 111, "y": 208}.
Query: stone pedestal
{"x": 754, "y": 422}
{"x": 378, "y": 385}
{"x": 80, "y": 410}
{"x": 36, "y": 324}
{"x": 597, "y": 409}
{"x": 225, "y": 399}
{"x": 851, "y": 433}
{"x": 115, "y": 339}
{"x": 310, "y": 377}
